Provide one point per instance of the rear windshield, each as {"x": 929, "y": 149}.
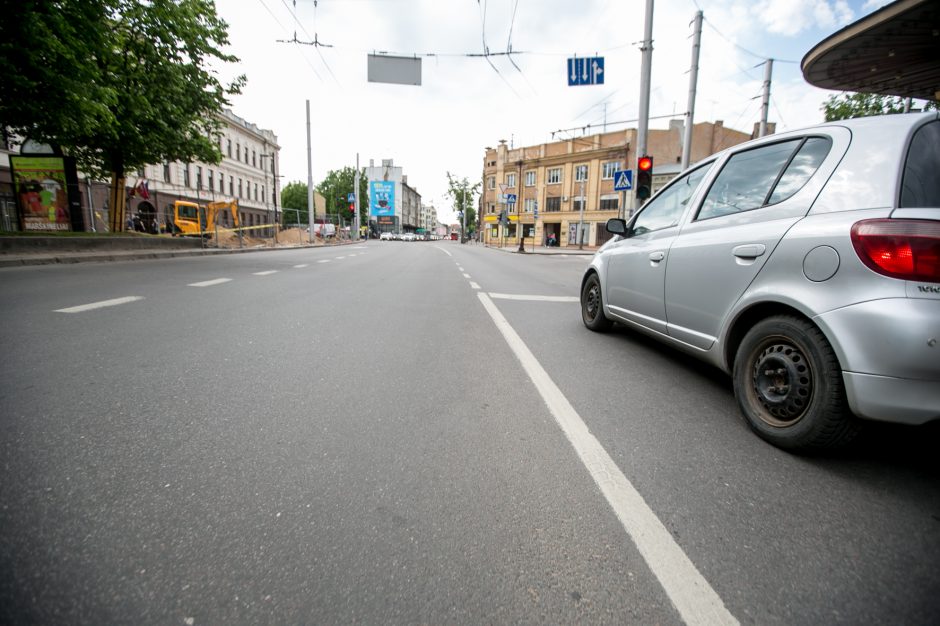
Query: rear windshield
{"x": 920, "y": 186}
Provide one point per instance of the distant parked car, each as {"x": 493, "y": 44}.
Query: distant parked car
{"x": 408, "y": 237}
{"x": 385, "y": 237}
{"x": 806, "y": 265}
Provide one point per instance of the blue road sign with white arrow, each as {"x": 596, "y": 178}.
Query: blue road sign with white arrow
{"x": 623, "y": 180}
{"x": 585, "y": 71}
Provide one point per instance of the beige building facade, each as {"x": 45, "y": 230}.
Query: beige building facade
{"x": 570, "y": 183}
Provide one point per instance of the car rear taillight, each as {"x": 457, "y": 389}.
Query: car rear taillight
{"x": 905, "y": 249}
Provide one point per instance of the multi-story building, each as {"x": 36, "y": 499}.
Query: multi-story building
{"x": 247, "y": 173}
{"x": 571, "y": 182}
{"x": 394, "y": 206}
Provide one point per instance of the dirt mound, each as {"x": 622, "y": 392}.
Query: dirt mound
{"x": 293, "y": 236}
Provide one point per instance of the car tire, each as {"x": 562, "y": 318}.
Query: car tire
{"x": 592, "y": 306}
{"x": 788, "y": 384}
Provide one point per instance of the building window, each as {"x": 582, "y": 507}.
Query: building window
{"x": 184, "y": 174}
{"x": 254, "y": 159}
{"x": 246, "y": 154}
{"x": 238, "y": 151}
{"x": 221, "y": 182}
{"x": 529, "y": 205}
{"x": 228, "y": 148}
{"x": 578, "y": 203}
{"x": 554, "y": 176}
{"x": 263, "y": 197}
{"x": 511, "y": 180}
{"x": 256, "y": 192}
{"x": 210, "y": 180}
{"x": 552, "y": 204}
{"x": 609, "y": 168}
{"x": 580, "y": 173}
{"x": 530, "y": 179}
{"x": 491, "y": 182}
{"x": 610, "y": 204}
{"x": 231, "y": 185}
{"x": 240, "y": 188}
{"x": 166, "y": 172}
{"x": 492, "y": 208}
{"x": 198, "y": 177}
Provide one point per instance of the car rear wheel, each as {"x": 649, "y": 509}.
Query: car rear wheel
{"x": 592, "y": 306}
{"x": 788, "y": 383}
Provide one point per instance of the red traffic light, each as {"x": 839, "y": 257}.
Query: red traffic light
{"x": 644, "y": 163}
{"x": 352, "y": 207}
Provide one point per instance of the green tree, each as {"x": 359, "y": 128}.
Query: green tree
{"x": 294, "y": 196}
{"x": 848, "y": 105}
{"x": 463, "y": 193}
{"x": 336, "y": 187}
{"x": 134, "y": 84}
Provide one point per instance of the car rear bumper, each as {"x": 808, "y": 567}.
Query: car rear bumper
{"x": 888, "y": 399}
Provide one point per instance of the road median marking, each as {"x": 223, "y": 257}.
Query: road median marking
{"x": 512, "y": 296}
{"x": 99, "y": 305}
{"x": 210, "y": 283}
{"x": 692, "y": 596}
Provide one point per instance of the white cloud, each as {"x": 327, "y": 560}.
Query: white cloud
{"x": 791, "y": 17}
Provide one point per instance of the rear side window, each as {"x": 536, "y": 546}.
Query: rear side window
{"x": 763, "y": 176}
{"x": 920, "y": 186}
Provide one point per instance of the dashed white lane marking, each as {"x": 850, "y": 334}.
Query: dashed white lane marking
{"x": 339, "y": 257}
{"x": 99, "y": 305}
{"x": 267, "y": 273}
{"x": 209, "y": 283}
{"x": 513, "y": 296}
{"x": 300, "y": 266}
{"x": 459, "y": 268}
{"x": 691, "y": 594}
{"x": 474, "y": 285}
{"x": 323, "y": 261}
{"x": 466, "y": 275}
{"x": 447, "y": 252}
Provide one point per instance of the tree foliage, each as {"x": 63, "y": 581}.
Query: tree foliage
{"x": 848, "y": 105}
{"x": 336, "y": 187}
{"x": 294, "y": 198}
{"x": 117, "y": 83}
{"x": 463, "y": 194}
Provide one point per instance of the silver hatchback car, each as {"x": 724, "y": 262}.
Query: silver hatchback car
{"x": 804, "y": 264}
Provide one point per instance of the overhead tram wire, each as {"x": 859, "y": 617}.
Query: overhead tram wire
{"x": 315, "y": 42}
{"x": 284, "y": 28}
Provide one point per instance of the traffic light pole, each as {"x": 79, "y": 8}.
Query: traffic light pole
{"x": 645, "y": 71}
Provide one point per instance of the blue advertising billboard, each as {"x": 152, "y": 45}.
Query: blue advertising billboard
{"x": 382, "y": 197}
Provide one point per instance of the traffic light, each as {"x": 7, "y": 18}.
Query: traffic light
{"x": 352, "y": 207}
{"x": 644, "y": 177}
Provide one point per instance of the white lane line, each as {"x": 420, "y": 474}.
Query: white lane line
{"x": 209, "y": 283}
{"x": 460, "y": 268}
{"x": 339, "y": 257}
{"x": 300, "y": 266}
{"x": 447, "y": 252}
{"x": 466, "y": 275}
{"x": 691, "y": 594}
{"x": 99, "y": 305}
{"x": 513, "y": 296}
{"x": 474, "y": 285}
{"x": 324, "y": 261}
{"x": 267, "y": 273}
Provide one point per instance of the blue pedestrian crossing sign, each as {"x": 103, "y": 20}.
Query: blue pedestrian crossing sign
{"x": 585, "y": 71}
{"x": 623, "y": 180}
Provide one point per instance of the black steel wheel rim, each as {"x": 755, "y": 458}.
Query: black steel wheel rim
{"x": 592, "y": 301}
{"x": 782, "y": 383}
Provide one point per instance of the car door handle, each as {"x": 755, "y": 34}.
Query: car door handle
{"x": 657, "y": 256}
{"x": 749, "y": 250}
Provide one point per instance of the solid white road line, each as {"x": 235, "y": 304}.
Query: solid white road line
{"x": 512, "y": 296}
{"x": 474, "y": 285}
{"x": 209, "y": 283}
{"x": 267, "y": 273}
{"x": 300, "y": 266}
{"x": 99, "y": 305}
{"x": 691, "y": 594}
{"x": 447, "y": 252}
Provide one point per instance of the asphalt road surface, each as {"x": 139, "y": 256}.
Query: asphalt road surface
{"x": 419, "y": 432}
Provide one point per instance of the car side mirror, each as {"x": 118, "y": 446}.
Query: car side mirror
{"x": 617, "y": 226}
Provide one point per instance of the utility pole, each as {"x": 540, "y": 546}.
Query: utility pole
{"x": 765, "y": 102}
{"x": 693, "y": 82}
{"x": 463, "y": 216}
{"x": 519, "y": 200}
{"x": 356, "y": 192}
{"x": 645, "y": 71}
{"x": 581, "y": 219}
{"x": 311, "y": 209}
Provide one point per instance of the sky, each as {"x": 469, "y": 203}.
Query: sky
{"x": 466, "y": 104}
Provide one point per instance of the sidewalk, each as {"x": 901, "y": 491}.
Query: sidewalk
{"x": 21, "y": 251}
{"x": 543, "y": 250}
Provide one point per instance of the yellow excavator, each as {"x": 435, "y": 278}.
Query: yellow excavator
{"x": 195, "y": 220}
